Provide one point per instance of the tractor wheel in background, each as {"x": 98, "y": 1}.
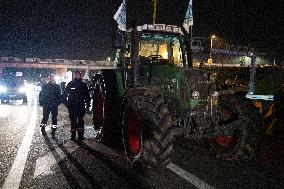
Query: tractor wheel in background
{"x": 244, "y": 140}
{"x": 104, "y": 107}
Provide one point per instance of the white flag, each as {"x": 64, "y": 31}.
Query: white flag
{"x": 188, "y": 20}
{"x": 120, "y": 16}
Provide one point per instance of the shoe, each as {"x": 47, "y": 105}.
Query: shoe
{"x": 42, "y": 125}
{"x": 53, "y": 130}
{"x": 73, "y": 136}
{"x": 81, "y": 138}
{"x": 80, "y": 135}
{"x": 98, "y": 135}
{"x": 42, "y": 129}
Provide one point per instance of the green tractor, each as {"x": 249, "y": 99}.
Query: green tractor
{"x": 154, "y": 91}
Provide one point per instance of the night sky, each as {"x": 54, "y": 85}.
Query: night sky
{"x": 76, "y": 29}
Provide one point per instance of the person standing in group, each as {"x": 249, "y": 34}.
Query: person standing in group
{"x": 76, "y": 97}
{"x": 50, "y": 99}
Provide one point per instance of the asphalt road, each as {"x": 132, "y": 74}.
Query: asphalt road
{"x": 30, "y": 160}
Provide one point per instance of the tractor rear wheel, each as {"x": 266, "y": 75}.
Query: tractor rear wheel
{"x": 98, "y": 109}
{"x": 105, "y": 107}
{"x": 147, "y": 129}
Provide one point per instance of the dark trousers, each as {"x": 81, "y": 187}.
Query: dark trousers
{"x": 46, "y": 112}
{"x": 76, "y": 116}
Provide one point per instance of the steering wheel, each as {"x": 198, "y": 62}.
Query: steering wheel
{"x": 156, "y": 57}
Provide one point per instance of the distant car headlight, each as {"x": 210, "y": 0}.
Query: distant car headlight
{"x": 22, "y": 89}
{"x": 3, "y": 89}
{"x": 195, "y": 94}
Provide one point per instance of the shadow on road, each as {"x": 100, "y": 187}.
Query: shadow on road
{"x": 64, "y": 168}
{"x": 120, "y": 167}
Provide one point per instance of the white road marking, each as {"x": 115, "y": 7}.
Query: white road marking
{"x": 15, "y": 174}
{"x": 44, "y": 163}
{"x": 189, "y": 177}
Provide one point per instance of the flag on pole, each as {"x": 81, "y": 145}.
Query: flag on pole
{"x": 120, "y": 16}
{"x": 188, "y": 20}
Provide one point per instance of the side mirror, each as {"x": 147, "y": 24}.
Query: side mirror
{"x": 118, "y": 40}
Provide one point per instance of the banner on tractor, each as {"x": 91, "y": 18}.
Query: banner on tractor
{"x": 120, "y": 16}
{"x": 188, "y": 20}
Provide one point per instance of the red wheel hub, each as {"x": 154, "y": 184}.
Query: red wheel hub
{"x": 99, "y": 107}
{"x": 225, "y": 141}
{"x": 133, "y": 133}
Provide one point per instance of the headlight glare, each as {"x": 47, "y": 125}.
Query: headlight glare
{"x": 3, "y": 89}
{"x": 22, "y": 89}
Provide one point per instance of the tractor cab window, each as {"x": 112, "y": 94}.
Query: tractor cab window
{"x": 161, "y": 48}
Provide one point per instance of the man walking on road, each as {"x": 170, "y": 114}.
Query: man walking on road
{"x": 50, "y": 99}
{"x": 76, "y": 97}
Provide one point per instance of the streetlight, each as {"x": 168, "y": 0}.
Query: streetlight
{"x": 211, "y": 45}
{"x": 155, "y": 12}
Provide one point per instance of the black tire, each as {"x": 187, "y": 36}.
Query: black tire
{"x": 246, "y": 137}
{"x": 25, "y": 100}
{"x": 147, "y": 132}
{"x": 98, "y": 103}
{"x": 104, "y": 107}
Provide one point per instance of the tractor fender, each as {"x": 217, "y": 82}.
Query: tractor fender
{"x": 108, "y": 77}
{"x": 142, "y": 91}
{"x": 139, "y": 91}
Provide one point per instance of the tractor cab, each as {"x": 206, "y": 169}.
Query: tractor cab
{"x": 160, "y": 44}
{"x": 151, "y": 50}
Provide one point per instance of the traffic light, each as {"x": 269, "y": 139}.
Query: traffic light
{"x": 209, "y": 61}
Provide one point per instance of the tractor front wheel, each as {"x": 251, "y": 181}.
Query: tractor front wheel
{"x": 147, "y": 131}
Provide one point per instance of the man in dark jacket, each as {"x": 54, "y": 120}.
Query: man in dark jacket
{"x": 50, "y": 99}
{"x": 76, "y": 97}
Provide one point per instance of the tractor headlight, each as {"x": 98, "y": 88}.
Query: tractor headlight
{"x": 215, "y": 94}
{"x": 3, "y": 89}
{"x": 195, "y": 94}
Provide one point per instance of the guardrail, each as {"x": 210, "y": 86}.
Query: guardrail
{"x": 93, "y": 66}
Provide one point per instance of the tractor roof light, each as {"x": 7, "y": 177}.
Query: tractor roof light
{"x": 195, "y": 94}
{"x": 159, "y": 27}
